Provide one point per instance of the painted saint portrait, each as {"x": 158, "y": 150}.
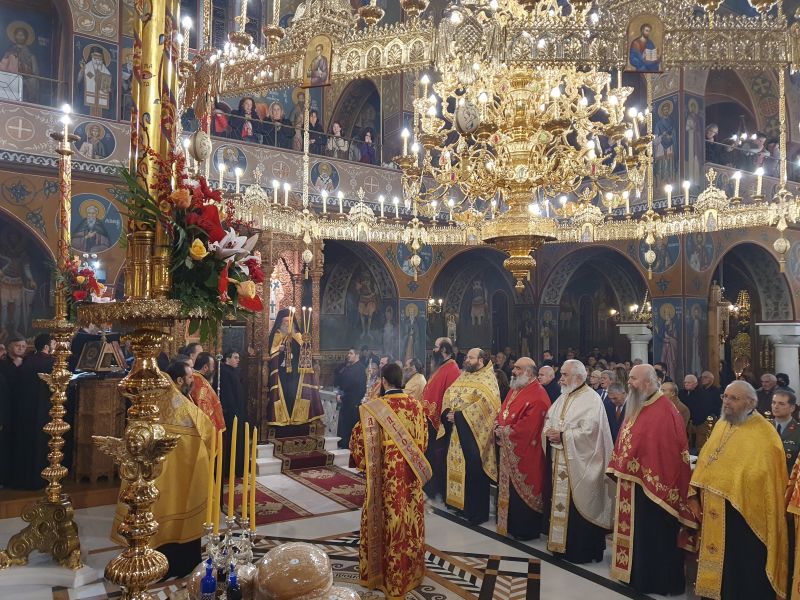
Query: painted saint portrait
{"x": 667, "y": 251}
{"x": 231, "y": 157}
{"x": 96, "y": 141}
{"x": 699, "y": 251}
{"x": 404, "y": 259}
{"x": 126, "y": 79}
{"x": 645, "y": 41}
{"x": 317, "y": 70}
{"x": 325, "y": 176}
{"x": 95, "y": 82}
{"x": 665, "y": 165}
{"x": 696, "y": 334}
{"x": 96, "y": 223}
{"x": 667, "y": 317}
{"x": 27, "y": 55}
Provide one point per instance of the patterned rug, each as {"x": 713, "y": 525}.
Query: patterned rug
{"x": 300, "y": 446}
{"x": 338, "y": 484}
{"x": 270, "y": 507}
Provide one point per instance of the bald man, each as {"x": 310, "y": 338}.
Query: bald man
{"x": 651, "y": 465}
{"x": 547, "y": 377}
{"x": 739, "y": 480}
{"x": 523, "y": 485}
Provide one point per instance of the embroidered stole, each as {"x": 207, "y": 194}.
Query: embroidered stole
{"x": 559, "y": 508}
{"x": 712, "y": 546}
{"x": 622, "y": 545}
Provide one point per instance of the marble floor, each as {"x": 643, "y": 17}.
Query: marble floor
{"x": 445, "y": 533}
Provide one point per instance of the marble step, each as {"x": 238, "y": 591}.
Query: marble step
{"x": 267, "y": 464}
{"x": 341, "y": 458}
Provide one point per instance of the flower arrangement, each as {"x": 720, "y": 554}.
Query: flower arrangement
{"x": 80, "y": 283}
{"x": 214, "y": 269}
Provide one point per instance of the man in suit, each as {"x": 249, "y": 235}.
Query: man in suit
{"x": 606, "y": 379}
{"x": 615, "y": 408}
{"x": 783, "y": 404}
{"x": 547, "y": 377}
{"x": 768, "y": 384}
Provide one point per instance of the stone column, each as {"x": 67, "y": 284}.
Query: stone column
{"x": 786, "y": 339}
{"x": 639, "y": 335}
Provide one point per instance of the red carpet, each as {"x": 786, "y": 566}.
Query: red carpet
{"x": 336, "y": 483}
{"x": 270, "y": 507}
{"x": 300, "y": 446}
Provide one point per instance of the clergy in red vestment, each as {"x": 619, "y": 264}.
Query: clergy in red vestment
{"x": 388, "y": 444}
{"x": 651, "y": 464}
{"x": 446, "y": 373}
{"x": 523, "y": 482}
{"x": 203, "y": 394}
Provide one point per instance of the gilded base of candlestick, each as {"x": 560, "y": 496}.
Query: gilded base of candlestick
{"x": 51, "y": 530}
{"x": 140, "y": 453}
{"x": 51, "y": 525}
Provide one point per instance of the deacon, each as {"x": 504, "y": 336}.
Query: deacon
{"x": 388, "y": 445}
{"x": 739, "y": 480}
{"x": 234, "y": 406}
{"x": 203, "y": 394}
{"x": 351, "y": 379}
{"x": 469, "y": 410}
{"x": 578, "y": 440}
{"x": 446, "y": 373}
{"x": 651, "y": 465}
{"x": 183, "y": 482}
{"x": 293, "y": 394}
{"x": 523, "y": 483}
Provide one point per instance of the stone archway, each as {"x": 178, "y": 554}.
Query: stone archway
{"x": 358, "y": 109}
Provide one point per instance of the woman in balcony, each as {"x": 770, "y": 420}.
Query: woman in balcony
{"x": 364, "y": 151}
{"x": 316, "y": 133}
{"x": 245, "y": 122}
{"x": 337, "y": 146}
{"x": 277, "y": 128}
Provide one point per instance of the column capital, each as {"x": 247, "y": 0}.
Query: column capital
{"x": 635, "y": 332}
{"x": 781, "y": 334}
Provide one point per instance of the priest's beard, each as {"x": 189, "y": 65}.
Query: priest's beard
{"x": 736, "y": 419}
{"x": 519, "y": 382}
{"x": 635, "y": 401}
{"x": 470, "y": 368}
{"x": 569, "y": 388}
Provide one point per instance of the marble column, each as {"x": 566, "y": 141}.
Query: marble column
{"x": 785, "y": 338}
{"x": 639, "y": 335}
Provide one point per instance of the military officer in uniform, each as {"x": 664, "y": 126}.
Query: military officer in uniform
{"x": 783, "y": 404}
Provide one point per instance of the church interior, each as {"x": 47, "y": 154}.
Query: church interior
{"x": 258, "y": 205}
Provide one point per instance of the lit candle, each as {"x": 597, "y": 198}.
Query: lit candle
{"x": 759, "y": 180}
{"x": 324, "y": 202}
{"x": 238, "y": 172}
{"x": 65, "y": 119}
{"x": 286, "y": 188}
{"x": 435, "y": 206}
{"x": 275, "y": 185}
{"x": 450, "y": 204}
{"x": 253, "y": 453}
{"x": 396, "y": 202}
{"x": 245, "y": 471}
{"x": 686, "y": 187}
{"x": 628, "y": 204}
{"x": 425, "y": 80}
{"x": 232, "y": 466}
{"x": 186, "y": 21}
{"x": 218, "y": 485}
{"x": 381, "y": 200}
{"x": 340, "y": 196}
{"x": 547, "y": 208}
{"x": 210, "y": 495}
{"x": 737, "y": 178}
{"x": 404, "y": 134}
{"x": 221, "y": 169}
{"x": 633, "y": 114}
{"x": 668, "y": 189}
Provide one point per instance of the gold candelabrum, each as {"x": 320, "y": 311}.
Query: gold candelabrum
{"x": 51, "y": 525}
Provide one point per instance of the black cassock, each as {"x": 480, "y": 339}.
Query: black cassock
{"x": 233, "y": 401}
{"x": 5, "y": 422}
{"x": 658, "y": 563}
{"x": 476, "y": 483}
{"x": 586, "y": 542}
{"x": 524, "y": 523}
{"x": 352, "y": 383}
{"x": 435, "y": 453}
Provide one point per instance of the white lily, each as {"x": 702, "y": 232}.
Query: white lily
{"x": 233, "y": 246}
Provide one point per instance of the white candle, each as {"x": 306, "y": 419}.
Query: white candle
{"x": 668, "y": 189}
{"x": 759, "y": 180}
{"x": 396, "y": 202}
{"x": 737, "y": 178}
{"x": 275, "y": 185}
{"x": 381, "y": 200}
{"x": 340, "y": 196}
{"x": 221, "y": 168}
{"x": 324, "y": 202}
{"x": 404, "y": 134}
{"x": 238, "y": 172}
{"x": 686, "y": 187}
{"x": 450, "y": 204}
{"x": 435, "y": 206}
{"x": 628, "y": 204}
{"x": 286, "y": 188}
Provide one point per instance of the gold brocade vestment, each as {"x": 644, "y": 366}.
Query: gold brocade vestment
{"x": 477, "y": 397}
{"x": 183, "y": 482}
{"x": 744, "y": 465}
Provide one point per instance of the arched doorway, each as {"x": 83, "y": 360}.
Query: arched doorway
{"x": 479, "y": 293}
{"x": 577, "y": 299}
{"x": 359, "y": 109}
{"x": 25, "y": 278}
{"x": 751, "y": 279}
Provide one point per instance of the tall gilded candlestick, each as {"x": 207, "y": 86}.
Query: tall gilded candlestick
{"x": 51, "y": 525}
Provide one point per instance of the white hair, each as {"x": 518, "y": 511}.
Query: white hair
{"x": 578, "y": 367}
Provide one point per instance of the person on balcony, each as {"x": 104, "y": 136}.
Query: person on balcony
{"x": 245, "y": 122}
{"x": 277, "y": 128}
{"x": 337, "y": 146}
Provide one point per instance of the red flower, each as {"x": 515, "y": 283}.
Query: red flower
{"x": 79, "y": 295}
{"x": 252, "y": 304}
{"x": 202, "y": 193}
{"x": 222, "y": 286}
{"x": 86, "y": 272}
{"x": 93, "y": 285}
{"x": 207, "y": 219}
{"x": 256, "y": 273}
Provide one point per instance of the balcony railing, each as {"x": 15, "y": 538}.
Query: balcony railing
{"x": 33, "y": 89}
{"x": 748, "y": 159}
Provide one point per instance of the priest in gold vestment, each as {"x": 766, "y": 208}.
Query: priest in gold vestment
{"x": 388, "y": 444}
{"x": 736, "y": 490}
{"x": 183, "y": 482}
{"x": 469, "y": 410}
{"x": 293, "y": 394}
